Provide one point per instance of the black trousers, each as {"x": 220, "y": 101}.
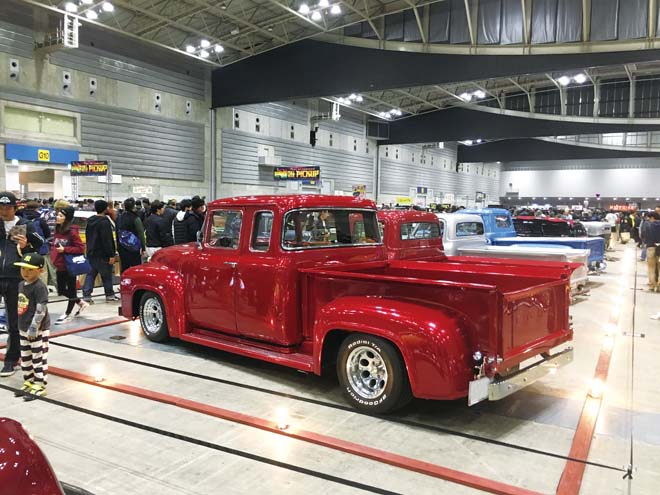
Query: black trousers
{"x": 66, "y": 286}
{"x": 9, "y": 292}
{"x": 129, "y": 258}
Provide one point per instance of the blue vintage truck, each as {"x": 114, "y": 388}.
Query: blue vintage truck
{"x": 500, "y": 230}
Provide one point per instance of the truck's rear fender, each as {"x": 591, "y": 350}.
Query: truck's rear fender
{"x": 161, "y": 280}
{"x": 433, "y": 342}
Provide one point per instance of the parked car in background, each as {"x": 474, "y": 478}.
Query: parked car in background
{"x": 317, "y": 292}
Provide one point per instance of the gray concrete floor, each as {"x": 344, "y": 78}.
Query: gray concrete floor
{"x": 109, "y": 457}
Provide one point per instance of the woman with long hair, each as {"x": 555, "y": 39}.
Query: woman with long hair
{"x": 66, "y": 240}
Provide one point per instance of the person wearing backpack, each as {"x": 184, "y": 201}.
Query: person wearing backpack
{"x": 101, "y": 251}
{"x": 130, "y": 236}
{"x": 157, "y": 229}
{"x": 41, "y": 228}
{"x": 66, "y": 240}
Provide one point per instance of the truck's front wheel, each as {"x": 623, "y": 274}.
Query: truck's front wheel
{"x": 372, "y": 374}
{"x": 152, "y": 317}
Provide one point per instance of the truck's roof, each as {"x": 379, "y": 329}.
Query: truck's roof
{"x": 460, "y": 217}
{"x": 486, "y": 211}
{"x": 400, "y": 216}
{"x": 290, "y": 201}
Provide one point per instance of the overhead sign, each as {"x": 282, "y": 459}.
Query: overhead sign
{"x": 89, "y": 168}
{"x": 422, "y": 190}
{"x": 359, "y": 191}
{"x": 297, "y": 173}
{"x": 25, "y": 153}
{"x": 404, "y": 200}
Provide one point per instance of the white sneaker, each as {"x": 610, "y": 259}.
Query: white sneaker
{"x": 64, "y": 318}
{"x": 82, "y": 306}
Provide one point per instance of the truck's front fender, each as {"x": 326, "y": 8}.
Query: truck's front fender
{"x": 161, "y": 280}
{"x": 432, "y": 340}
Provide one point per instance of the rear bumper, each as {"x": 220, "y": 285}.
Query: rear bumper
{"x": 495, "y": 389}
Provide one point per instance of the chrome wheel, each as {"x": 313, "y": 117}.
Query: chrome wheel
{"x": 366, "y": 372}
{"x": 152, "y": 316}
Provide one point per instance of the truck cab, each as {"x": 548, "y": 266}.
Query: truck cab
{"x": 461, "y": 230}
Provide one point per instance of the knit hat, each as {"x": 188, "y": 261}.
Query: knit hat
{"x": 68, "y": 213}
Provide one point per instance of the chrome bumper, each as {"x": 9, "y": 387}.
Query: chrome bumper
{"x": 491, "y": 389}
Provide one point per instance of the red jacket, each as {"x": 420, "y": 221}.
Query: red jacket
{"x": 72, "y": 245}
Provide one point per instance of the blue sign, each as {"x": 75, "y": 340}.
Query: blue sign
{"x": 44, "y": 154}
{"x": 422, "y": 190}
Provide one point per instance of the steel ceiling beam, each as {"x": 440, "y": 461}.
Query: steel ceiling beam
{"x": 297, "y": 14}
{"x": 468, "y": 13}
{"x": 418, "y": 18}
{"x": 418, "y": 98}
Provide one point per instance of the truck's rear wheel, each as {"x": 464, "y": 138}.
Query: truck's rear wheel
{"x": 372, "y": 374}
{"x": 152, "y": 317}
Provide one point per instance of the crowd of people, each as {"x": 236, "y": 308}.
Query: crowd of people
{"x": 40, "y": 246}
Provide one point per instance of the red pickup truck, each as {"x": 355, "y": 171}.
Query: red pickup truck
{"x": 304, "y": 281}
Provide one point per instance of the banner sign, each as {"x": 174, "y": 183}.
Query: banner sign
{"x": 403, "y": 201}
{"x": 24, "y": 153}
{"x": 89, "y": 168}
{"x": 422, "y": 190}
{"x": 360, "y": 191}
{"x": 297, "y": 173}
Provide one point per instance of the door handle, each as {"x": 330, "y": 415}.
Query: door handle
{"x": 231, "y": 263}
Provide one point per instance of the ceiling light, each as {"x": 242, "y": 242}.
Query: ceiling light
{"x": 204, "y": 54}
{"x": 87, "y": 2}
{"x": 397, "y": 112}
{"x": 218, "y": 48}
{"x": 340, "y": 100}
{"x": 564, "y": 80}
{"x": 580, "y": 78}
{"x": 479, "y": 94}
{"x": 352, "y": 96}
{"x": 91, "y": 15}
{"x": 108, "y": 7}
{"x": 205, "y": 43}
{"x": 70, "y": 7}
{"x": 190, "y": 49}
{"x": 468, "y": 142}
{"x": 478, "y": 140}
{"x": 643, "y": 199}
{"x": 335, "y": 10}
{"x": 303, "y": 9}
{"x": 316, "y": 16}
{"x": 465, "y": 96}
{"x": 614, "y": 199}
{"x": 323, "y": 4}
{"x": 359, "y": 99}
{"x": 627, "y": 199}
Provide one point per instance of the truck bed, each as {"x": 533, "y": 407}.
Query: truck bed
{"x": 511, "y": 315}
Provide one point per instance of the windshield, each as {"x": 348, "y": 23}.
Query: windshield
{"x": 311, "y": 228}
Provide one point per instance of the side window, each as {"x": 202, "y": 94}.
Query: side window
{"x": 502, "y": 222}
{"x": 237, "y": 121}
{"x": 263, "y": 225}
{"x": 257, "y": 125}
{"x": 464, "y": 229}
{"x": 225, "y": 229}
{"x": 293, "y": 132}
{"x": 422, "y": 230}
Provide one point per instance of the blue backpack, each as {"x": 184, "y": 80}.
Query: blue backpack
{"x": 43, "y": 250}
{"x": 129, "y": 241}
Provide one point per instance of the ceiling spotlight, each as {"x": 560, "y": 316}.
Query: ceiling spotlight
{"x": 91, "y": 15}
{"x": 359, "y": 99}
{"x": 108, "y": 7}
{"x": 335, "y": 10}
{"x": 478, "y": 141}
{"x": 397, "y": 112}
{"x": 234, "y": 31}
{"x": 340, "y": 99}
{"x": 479, "y": 94}
{"x": 465, "y": 96}
{"x": 87, "y": 2}
{"x": 468, "y": 142}
{"x": 323, "y": 4}
{"x": 303, "y": 9}
{"x": 204, "y": 54}
{"x": 205, "y": 43}
{"x": 316, "y": 16}
{"x": 190, "y": 49}
{"x": 580, "y": 78}
{"x": 70, "y": 7}
{"x": 564, "y": 80}
{"x": 218, "y": 48}
{"x": 352, "y": 96}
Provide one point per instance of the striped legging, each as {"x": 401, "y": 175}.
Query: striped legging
{"x": 34, "y": 358}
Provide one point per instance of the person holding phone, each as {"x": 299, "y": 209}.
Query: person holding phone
{"x": 17, "y": 237}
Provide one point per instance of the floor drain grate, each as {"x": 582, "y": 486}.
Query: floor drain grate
{"x": 117, "y": 337}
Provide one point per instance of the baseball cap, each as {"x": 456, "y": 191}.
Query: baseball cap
{"x": 7, "y": 199}
{"x": 31, "y": 260}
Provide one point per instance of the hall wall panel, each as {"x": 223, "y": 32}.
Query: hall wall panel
{"x": 569, "y": 21}
{"x": 633, "y": 19}
{"x": 296, "y": 112}
{"x": 489, "y": 22}
{"x": 137, "y": 144}
{"x": 605, "y": 20}
{"x": 458, "y": 26}
{"x": 16, "y": 40}
{"x": 512, "y": 22}
{"x": 240, "y": 163}
{"x": 544, "y": 21}
{"x": 439, "y": 14}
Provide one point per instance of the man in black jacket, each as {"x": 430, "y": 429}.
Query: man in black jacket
{"x": 12, "y": 243}
{"x": 101, "y": 251}
{"x": 157, "y": 229}
{"x": 179, "y": 222}
{"x": 194, "y": 219}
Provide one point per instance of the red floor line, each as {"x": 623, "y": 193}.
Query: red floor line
{"x": 571, "y": 478}
{"x": 82, "y": 329}
{"x": 410, "y": 464}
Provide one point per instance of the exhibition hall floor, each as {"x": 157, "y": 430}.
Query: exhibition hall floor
{"x": 128, "y": 416}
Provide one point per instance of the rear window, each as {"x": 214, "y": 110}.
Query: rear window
{"x": 556, "y": 229}
{"x": 310, "y": 228}
{"x": 530, "y": 228}
{"x": 464, "y": 229}
{"x": 419, "y": 230}
{"x": 502, "y": 222}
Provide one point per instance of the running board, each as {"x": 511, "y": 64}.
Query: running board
{"x": 295, "y": 360}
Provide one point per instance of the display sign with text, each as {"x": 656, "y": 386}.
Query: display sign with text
{"x": 89, "y": 168}
{"x": 297, "y": 173}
